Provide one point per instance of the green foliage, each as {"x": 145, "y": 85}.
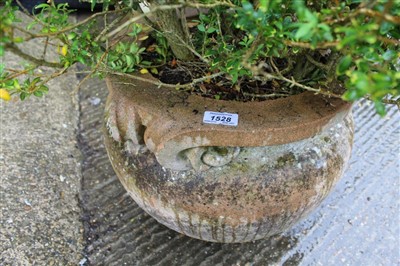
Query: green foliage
{"x": 25, "y": 89}
{"x": 161, "y": 48}
{"x": 309, "y": 27}
{"x": 302, "y": 44}
{"x": 125, "y": 56}
{"x": 28, "y": 87}
{"x": 366, "y": 43}
{"x": 82, "y": 47}
{"x": 52, "y": 17}
{"x": 7, "y": 19}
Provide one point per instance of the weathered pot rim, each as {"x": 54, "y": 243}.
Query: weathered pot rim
{"x": 174, "y": 119}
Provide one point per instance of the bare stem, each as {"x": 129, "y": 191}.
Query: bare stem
{"x": 139, "y": 17}
{"x": 103, "y": 56}
{"x": 162, "y": 84}
{"x": 74, "y": 26}
{"x": 384, "y": 16}
{"x": 36, "y": 61}
{"x": 324, "y": 45}
{"x": 271, "y": 95}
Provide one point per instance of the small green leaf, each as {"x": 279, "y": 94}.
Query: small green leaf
{"x": 38, "y": 93}
{"x": 133, "y": 48}
{"x": 371, "y": 39}
{"x": 18, "y": 39}
{"x": 385, "y": 27}
{"x": 80, "y": 59}
{"x": 23, "y": 96}
{"x": 93, "y": 4}
{"x": 129, "y": 59}
{"x": 350, "y": 95}
{"x": 137, "y": 58}
{"x": 44, "y": 89}
{"x": 311, "y": 17}
{"x": 304, "y": 30}
{"x": 279, "y": 25}
{"x": 344, "y": 64}
{"x": 380, "y": 108}
{"x": 201, "y": 27}
{"x": 389, "y": 55}
{"x": 263, "y": 5}
{"x": 146, "y": 63}
{"x": 42, "y": 6}
{"x": 235, "y": 77}
{"x": 211, "y": 30}
{"x": 71, "y": 36}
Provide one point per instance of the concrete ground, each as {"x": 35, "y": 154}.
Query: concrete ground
{"x": 61, "y": 203}
{"x": 40, "y": 165}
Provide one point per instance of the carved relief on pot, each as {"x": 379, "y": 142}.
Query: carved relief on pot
{"x": 162, "y": 121}
{"x": 225, "y": 183}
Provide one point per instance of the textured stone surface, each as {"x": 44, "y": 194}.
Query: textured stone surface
{"x": 40, "y": 175}
{"x": 357, "y": 224}
{"x": 260, "y": 192}
{"x": 172, "y": 123}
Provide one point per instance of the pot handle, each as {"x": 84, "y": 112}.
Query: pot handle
{"x": 127, "y": 125}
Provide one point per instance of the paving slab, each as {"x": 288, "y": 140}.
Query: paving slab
{"x": 40, "y": 175}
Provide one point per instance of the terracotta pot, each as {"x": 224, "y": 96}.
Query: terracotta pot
{"x": 225, "y": 183}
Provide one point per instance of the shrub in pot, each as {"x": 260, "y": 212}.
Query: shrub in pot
{"x": 30, "y": 5}
{"x": 225, "y": 120}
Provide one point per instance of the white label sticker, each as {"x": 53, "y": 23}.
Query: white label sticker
{"x": 217, "y": 118}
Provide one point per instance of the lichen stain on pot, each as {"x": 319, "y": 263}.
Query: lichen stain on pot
{"x": 226, "y": 184}
{"x": 261, "y": 192}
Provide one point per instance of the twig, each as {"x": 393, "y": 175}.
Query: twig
{"x": 140, "y": 16}
{"x": 220, "y": 29}
{"x": 384, "y": 16}
{"x": 69, "y": 28}
{"x": 279, "y": 76}
{"x": 17, "y": 73}
{"x": 75, "y": 91}
{"x": 54, "y": 75}
{"x": 387, "y": 40}
{"x": 162, "y": 84}
{"x": 168, "y": 7}
{"x": 385, "y": 100}
{"x": 23, "y": 30}
{"x": 107, "y": 28}
{"x": 46, "y": 43}
{"x": 26, "y": 12}
{"x": 211, "y": 5}
{"x": 13, "y": 48}
{"x": 317, "y": 64}
{"x": 271, "y": 95}
{"x": 324, "y": 45}
{"x": 192, "y": 50}
{"x": 292, "y": 81}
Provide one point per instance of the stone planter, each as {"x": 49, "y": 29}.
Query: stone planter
{"x": 225, "y": 183}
